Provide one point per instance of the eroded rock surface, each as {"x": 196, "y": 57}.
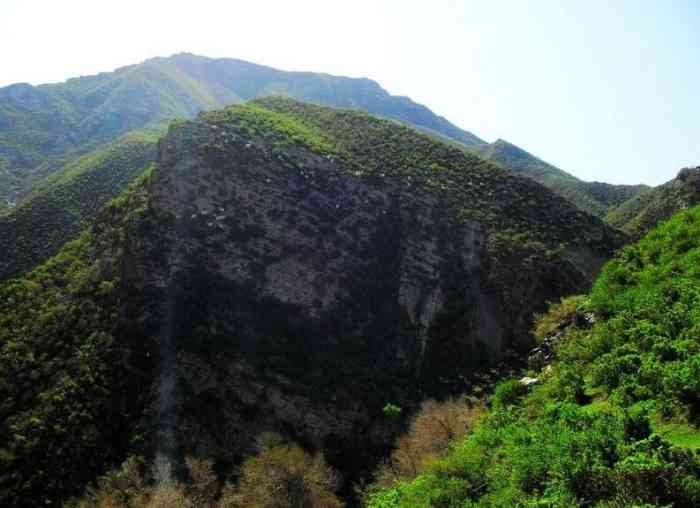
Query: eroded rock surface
{"x": 299, "y": 297}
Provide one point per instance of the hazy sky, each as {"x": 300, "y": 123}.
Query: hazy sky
{"x": 607, "y": 90}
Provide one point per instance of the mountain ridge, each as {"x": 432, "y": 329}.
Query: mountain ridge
{"x": 641, "y": 213}
{"x": 598, "y": 198}
{"x": 41, "y": 124}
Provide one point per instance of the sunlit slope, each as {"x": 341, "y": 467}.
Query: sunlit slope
{"x": 42, "y": 127}
{"x": 596, "y": 198}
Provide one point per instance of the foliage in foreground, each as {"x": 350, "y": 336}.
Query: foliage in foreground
{"x": 429, "y": 435}
{"x": 281, "y": 475}
{"x": 613, "y": 423}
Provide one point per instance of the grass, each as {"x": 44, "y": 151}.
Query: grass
{"x": 684, "y": 435}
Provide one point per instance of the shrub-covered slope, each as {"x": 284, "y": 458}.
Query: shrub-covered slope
{"x": 73, "y": 386}
{"x": 43, "y": 127}
{"x": 594, "y": 197}
{"x": 614, "y": 421}
{"x": 286, "y": 268}
{"x": 63, "y": 205}
{"x": 644, "y": 211}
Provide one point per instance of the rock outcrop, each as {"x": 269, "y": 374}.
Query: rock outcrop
{"x": 300, "y": 298}
{"x": 302, "y": 292}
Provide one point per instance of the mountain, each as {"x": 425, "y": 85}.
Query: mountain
{"x": 286, "y": 268}
{"x": 60, "y": 207}
{"x": 44, "y": 127}
{"x": 644, "y": 211}
{"x": 612, "y": 420}
{"x": 594, "y": 197}
{"x": 49, "y": 130}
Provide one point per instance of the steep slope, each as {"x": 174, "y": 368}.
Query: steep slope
{"x": 644, "y": 211}
{"x": 72, "y": 394}
{"x": 42, "y": 127}
{"x": 59, "y": 208}
{"x": 614, "y": 421}
{"x": 594, "y": 197}
{"x": 285, "y": 267}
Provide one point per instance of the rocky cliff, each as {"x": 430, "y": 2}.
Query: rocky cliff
{"x": 303, "y": 287}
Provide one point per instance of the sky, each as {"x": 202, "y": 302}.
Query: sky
{"x": 606, "y": 90}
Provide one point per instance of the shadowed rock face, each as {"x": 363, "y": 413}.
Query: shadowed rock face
{"x": 300, "y": 299}
{"x": 294, "y": 296}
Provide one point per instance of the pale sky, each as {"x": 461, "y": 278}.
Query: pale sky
{"x": 607, "y": 90}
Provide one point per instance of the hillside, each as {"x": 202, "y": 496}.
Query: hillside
{"x": 613, "y": 421}
{"x": 643, "y": 212}
{"x": 44, "y": 127}
{"x": 594, "y": 197}
{"x": 283, "y": 268}
{"x": 50, "y": 128}
{"x": 60, "y": 207}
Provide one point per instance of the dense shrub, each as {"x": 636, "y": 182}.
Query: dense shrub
{"x": 280, "y": 476}
{"x": 283, "y": 476}
{"x": 431, "y": 432}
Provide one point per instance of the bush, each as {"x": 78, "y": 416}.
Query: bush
{"x": 508, "y": 393}
{"x": 557, "y": 316}
{"x": 283, "y": 476}
{"x": 431, "y": 432}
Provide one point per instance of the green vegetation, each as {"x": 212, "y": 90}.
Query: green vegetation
{"x": 593, "y": 197}
{"x": 388, "y": 154}
{"x": 42, "y": 128}
{"x": 254, "y": 120}
{"x": 430, "y": 433}
{"x": 69, "y": 393}
{"x": 59, "y": 208}
{"x": 644, "y": 211}
{"x": 280, "y": 475}
{"x": 614, "y": 421}
{"x": 559, "y": 314}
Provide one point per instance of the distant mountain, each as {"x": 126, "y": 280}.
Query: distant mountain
{"x": 60, "y": 207}
{"x": 647, "y": 209}
{"x": 286, "y": 268}
{"x": 594, "y": 197}
{"x": 43, "y": 127}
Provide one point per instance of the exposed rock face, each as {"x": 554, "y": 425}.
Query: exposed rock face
{"x": 300, "y": 298}
{"x": 286, "y": 290}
